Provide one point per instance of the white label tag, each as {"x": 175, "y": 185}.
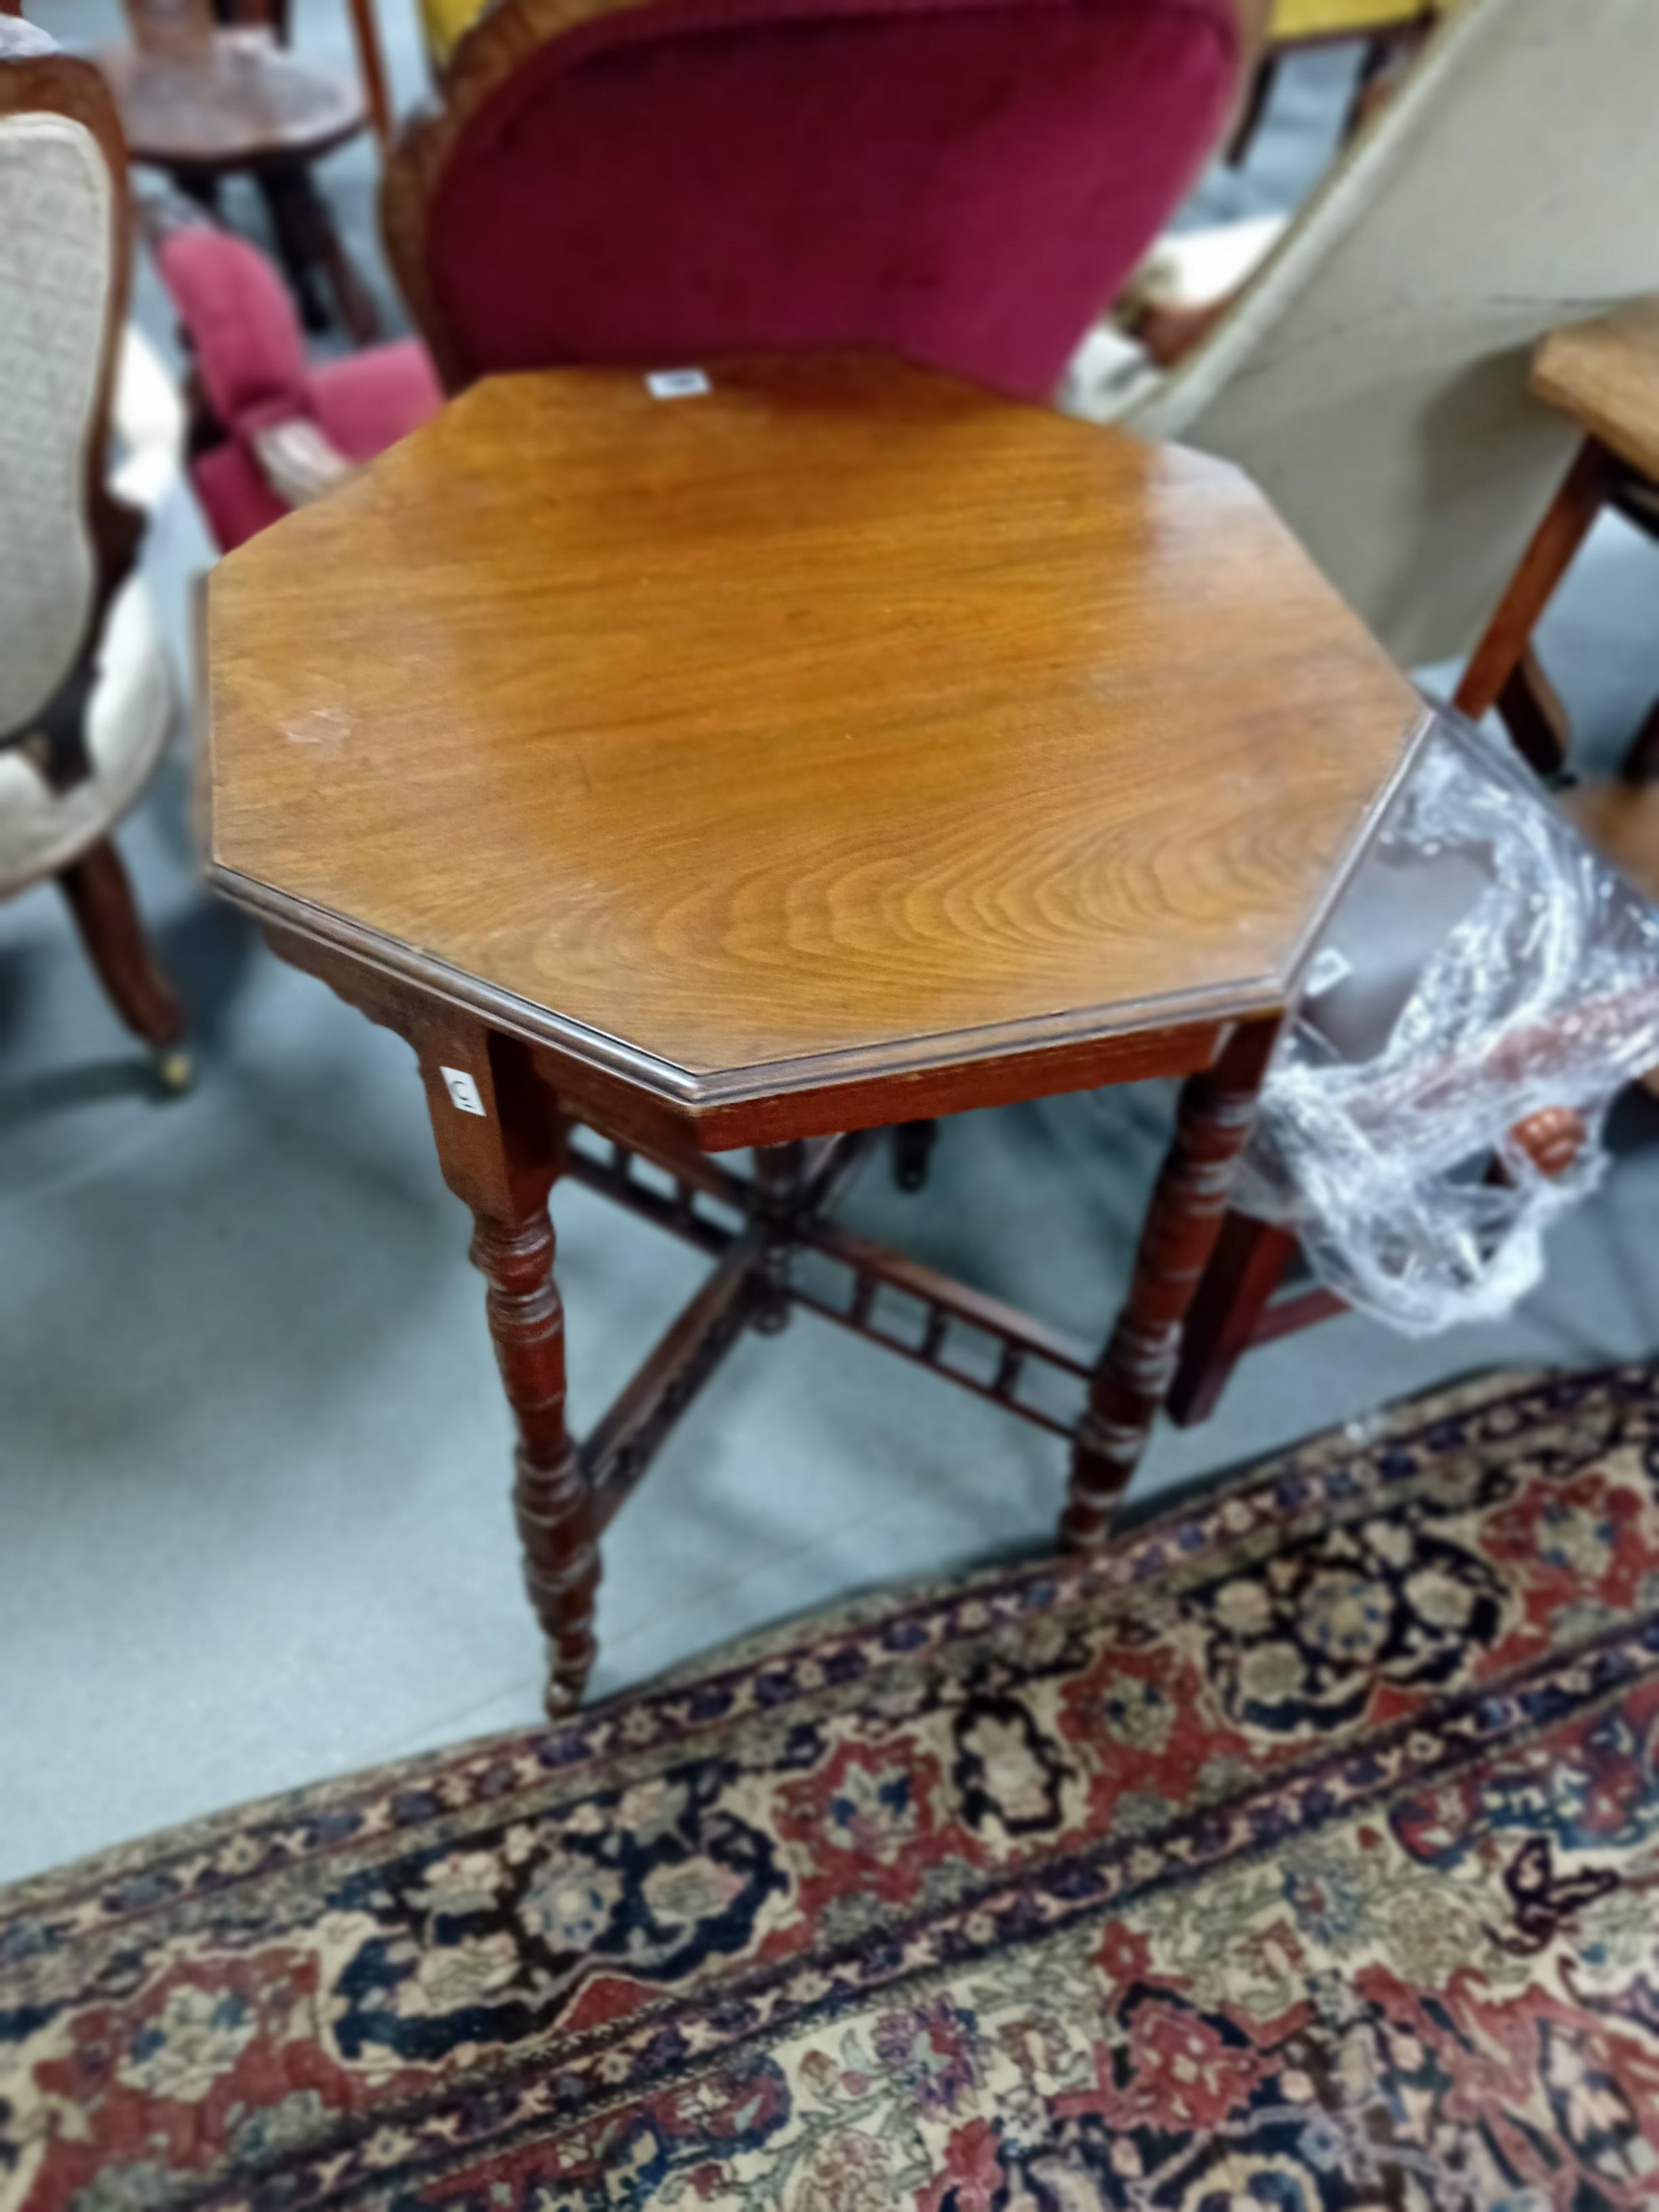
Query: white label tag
{"x": 463, "y": 1091}
{"x": 676, "y": 383}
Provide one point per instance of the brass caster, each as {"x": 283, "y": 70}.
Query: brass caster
{"x": 175, "y": 1071}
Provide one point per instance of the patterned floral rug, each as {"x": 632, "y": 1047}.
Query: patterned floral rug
{"x": 1300, "y": 1853}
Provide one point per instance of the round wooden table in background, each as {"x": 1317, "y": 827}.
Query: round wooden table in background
{"x": 205, "y": 102}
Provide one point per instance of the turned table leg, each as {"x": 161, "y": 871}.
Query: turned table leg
{"x": 913, "y": 1149}
{"x": 499, "y": 1147}
{"x": 779, "y": 1172}
{"x": 550, "y": 1497}
{"x": 1217, "y": 1108}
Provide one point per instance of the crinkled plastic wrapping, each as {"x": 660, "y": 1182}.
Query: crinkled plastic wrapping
{"x": 1483, "y": 965}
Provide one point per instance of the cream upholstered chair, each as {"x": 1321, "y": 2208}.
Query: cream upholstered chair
{"x": 87, "y": 697}
{"x": 1372, "y": 376}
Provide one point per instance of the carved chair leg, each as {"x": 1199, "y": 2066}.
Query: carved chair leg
{"x": 912, "y": 1148}
{"x": 1564, "y": 529}
{"x": 1217, "y": 1108}
{"x": 100, "y": 898}
{"x": 499, "y": 1147}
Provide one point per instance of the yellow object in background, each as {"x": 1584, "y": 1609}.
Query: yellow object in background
{"x": 443, "y": 22}
{"x": 1291, "y": 21}
{"x": 1294, "y": 19}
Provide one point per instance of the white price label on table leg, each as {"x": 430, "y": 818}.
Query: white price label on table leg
{"x": 463, "y": 1091}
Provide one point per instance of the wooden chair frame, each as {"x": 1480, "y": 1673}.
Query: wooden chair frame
{"x": 487, "y": 54}
{"x": 95, "y": 884}
{"x": 59, "y": 84}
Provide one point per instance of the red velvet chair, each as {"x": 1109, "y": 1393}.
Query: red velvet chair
{"x": 658, "y": 180}
{"x": 276, "y": 429}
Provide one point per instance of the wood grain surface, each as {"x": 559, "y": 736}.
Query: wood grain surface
{"x": 843, "y": 718}
{"x": 1605, "y": 375}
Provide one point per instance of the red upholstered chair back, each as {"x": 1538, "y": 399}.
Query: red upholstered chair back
{"x": 967, "y": 182}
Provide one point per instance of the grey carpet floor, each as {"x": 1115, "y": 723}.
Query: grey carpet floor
{"x": 253, "y": 1455}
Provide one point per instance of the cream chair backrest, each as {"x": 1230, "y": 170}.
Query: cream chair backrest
{"x": 1372, "y": 379}
{"x": 59, "y": 255}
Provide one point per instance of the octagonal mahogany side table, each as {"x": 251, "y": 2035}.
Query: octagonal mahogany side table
{"x": 764, "y": 758}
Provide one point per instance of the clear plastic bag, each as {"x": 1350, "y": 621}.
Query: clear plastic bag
{"x": 1483, "y": 965}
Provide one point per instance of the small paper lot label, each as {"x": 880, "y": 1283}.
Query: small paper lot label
{"x": 676, "y": 383}
{"x": 463, "y": 1091}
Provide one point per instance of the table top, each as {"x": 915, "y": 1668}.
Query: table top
{"x": 840, "y": 721}
{"x": 1605, "y": 373}
{"x": 237, "y": 99}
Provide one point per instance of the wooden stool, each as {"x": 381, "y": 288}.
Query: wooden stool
{"x": 832, "y": 746}
{"x": 1605, "y": 375}
{"x": 205, "y": 103}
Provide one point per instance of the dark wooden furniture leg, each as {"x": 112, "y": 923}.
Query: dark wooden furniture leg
{"x": 912, "y": 1148}
{"x": 1641, "y": 763}
{"x": 100, "y": 899}
{"x": 1246, "y": 1268}
{"x": 1387, "y": 57}
{"x": 281, "y": 190}
{"x": 1217, "y": 1107}
{"x": 499, "y": 1146}
{"x": 1546, "y": 561}
{"x": 201, "y": 186}
{"x": 779, "y": 1173}
{"x": 308, "y": 243}
{"x": 1379, "y": 53}
{"x": 1535, "y": 717}
{"x": 371, "y": 62}
{"x": 1262, "y": 82}
{"x": 358, "y": 314}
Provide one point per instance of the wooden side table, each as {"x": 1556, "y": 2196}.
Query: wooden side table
{"x": 764, "y": 758}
